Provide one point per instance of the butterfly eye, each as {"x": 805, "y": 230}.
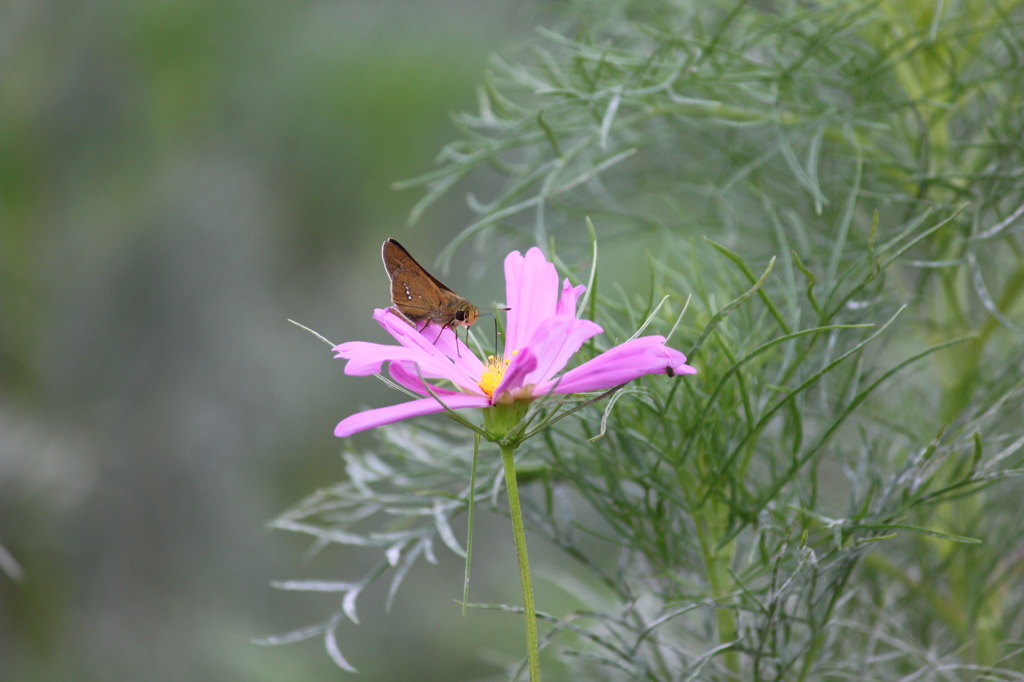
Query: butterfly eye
{"x": 460, "y": 315}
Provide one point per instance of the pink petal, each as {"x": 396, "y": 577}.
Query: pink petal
{"x": 567, "y": 301}
{"x": 406, "y": 374}
{"x": 531, "y": 290}
{"x": 463, "y": 370}
{"x": 554, "y": 342}
{"x": 393, "y": 413}
{"x": 623, "y": 363}
{"x": 521, "y": 366}
{"x": 367, "y": 358}
{"x": 454, "y": 348}
{"x": 431, "y": 340}
{"x": 403, "y": 331}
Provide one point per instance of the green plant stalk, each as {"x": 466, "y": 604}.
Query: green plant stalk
{"x": 966, "y": 372}
{"x": 532, "y": 650}
{"x": 710, "y": 524}
{"x": 717, "y": 559}
{"x": 469, "y": 522}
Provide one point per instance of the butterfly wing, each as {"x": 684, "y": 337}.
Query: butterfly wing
{"x": 417, "y": 294}
{"x": 396, "y": 254}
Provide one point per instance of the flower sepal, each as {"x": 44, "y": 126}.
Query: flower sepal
{"x": 503, "y": 422}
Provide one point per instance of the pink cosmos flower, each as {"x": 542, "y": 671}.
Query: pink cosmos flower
{"x": 542, "y": 334}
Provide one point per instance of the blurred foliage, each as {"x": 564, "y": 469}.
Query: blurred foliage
{"x": 177, "y": 178}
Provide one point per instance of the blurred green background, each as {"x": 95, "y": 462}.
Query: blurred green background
{"x": 177, "y": 178}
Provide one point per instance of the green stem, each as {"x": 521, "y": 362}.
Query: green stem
{"x": 958, "y": 395}
{"x": 469, "y": 524}
{"x": 711, "y": 524}
{"x": 718, "y": 559}
{"x": 532, "y": 650}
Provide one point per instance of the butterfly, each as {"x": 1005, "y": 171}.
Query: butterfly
{"x": 419, "y": 297}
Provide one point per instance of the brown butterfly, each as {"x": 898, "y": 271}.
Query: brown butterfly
{"x": 419, "y": 297}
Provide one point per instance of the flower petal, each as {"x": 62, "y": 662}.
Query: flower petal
{"x": 462, "y": 369}
{"x": 625, "y": 362}
{"x": 448, "y": 342}
{"x": 567, "y": 301}
{"x": 515, "y": 375}
{"x": 393, "y": 413}
{"x": 555, "y": 341}
{"x": 432, "y": 340}
{"x": 406, "y": 374}
{"x": 368, "y": 358}
{"x": 531, "y": 290}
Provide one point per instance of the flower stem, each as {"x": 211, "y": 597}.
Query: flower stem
{"x": 469, "y": 521}
{"x": 532, "y": 650}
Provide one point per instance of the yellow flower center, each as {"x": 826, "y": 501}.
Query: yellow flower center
{"x": 496, "y": 366}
